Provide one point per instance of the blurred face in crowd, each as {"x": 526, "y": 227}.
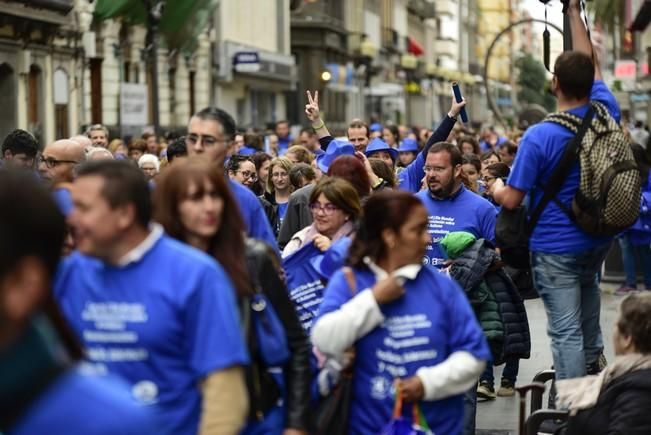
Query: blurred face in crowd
{"x": 18, "y": 160}
{"x": 317, "y": 171}
{"x": 95, "y": 224}
{"x": 135, "y": 154}
{"x": 505, "y": 156}
{"x": 467, "y": 148}
{"x": 279, "y": 178}
{"x": 424, "y": 135}
{"x": 57, "y": 163}
{"x": 328, "y": 218}
{"x": 206, "y": 137}
{"x": 98, "y": 138}
{"x": 263, "y": 172}
{"x": 309, "y": 141}
{"x": 201, "y": 212}
{"x": 442, "y": 178}
{"x": 152, "y": 145}
{"x": 409, "y": 243}
{"x": 489, "y": 161}
{"x": 282, "y": 130}
{"x": 384, "y": 156}
{"x": 149, "y": 169}
{"x": 407, "y": 157}
{"x": 245, "y": 175}
{"x": 387, "y": 136}
{"x": 403, "y": 131}
{"x": 238, "y": 143}
{"x": 358, "y": 136}
{"x": 471, "y": 173}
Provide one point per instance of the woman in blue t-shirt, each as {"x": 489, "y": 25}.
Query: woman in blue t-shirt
{"x": 408, "y": 324}
{"x": 195, "y": 205}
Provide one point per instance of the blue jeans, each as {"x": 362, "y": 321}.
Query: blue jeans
{"x": 628, "y": 258}
{"x": 568, "y": 285}
{"x": 510, "y": 371}
{"x": 469, "y": 411}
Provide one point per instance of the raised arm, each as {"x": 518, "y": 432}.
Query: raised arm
{"x": 580, "y": 39}
{"x": 445, "y": 127}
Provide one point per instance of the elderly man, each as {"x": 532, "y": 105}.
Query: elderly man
{"x": 56, "y": 166}
{"x": 57, "y": 163}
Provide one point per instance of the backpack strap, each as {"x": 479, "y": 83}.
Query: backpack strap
{"x": 570, "y": 154}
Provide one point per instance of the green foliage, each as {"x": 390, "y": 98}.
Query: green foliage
{"x": 608, "y": 13}
{"x": 532, "y": 83}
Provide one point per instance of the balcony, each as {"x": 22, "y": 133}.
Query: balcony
{"x": 447, "y": 47}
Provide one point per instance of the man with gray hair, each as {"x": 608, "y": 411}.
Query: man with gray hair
{"x": 99, "y": 135}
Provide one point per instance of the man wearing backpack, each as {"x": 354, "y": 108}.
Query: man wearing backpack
{"x": 565, "y": 258}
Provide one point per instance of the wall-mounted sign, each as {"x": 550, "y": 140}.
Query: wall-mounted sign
{"x": 246, "y": 61}
{"x": 133, "y": 104}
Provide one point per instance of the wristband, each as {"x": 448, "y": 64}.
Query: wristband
{"x": 319, "y": 127}
{"x": 378, "y": 184}
{"x": 452, "y": 117}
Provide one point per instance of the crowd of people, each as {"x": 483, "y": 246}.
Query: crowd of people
{"x": 234, "y": 282}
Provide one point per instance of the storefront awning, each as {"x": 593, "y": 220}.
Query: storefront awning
{"x": 413, "y": 47}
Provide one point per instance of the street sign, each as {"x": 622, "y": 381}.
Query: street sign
{"x": 246, "y": 61}
{"x": 134, "y": 110}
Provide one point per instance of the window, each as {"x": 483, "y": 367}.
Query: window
{"x": 96, "y": 91}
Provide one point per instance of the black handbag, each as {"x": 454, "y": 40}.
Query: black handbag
{"x": 331, "y": 414}
{"x": 513, "y": 228}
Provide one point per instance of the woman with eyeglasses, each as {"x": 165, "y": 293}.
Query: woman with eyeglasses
{"x": 278, "y": 190}
{"x": 335, "y": 206}
{"x": 489, "y": 175}
{"x": 242, "y": 170}
{"x": 194, "y": 205}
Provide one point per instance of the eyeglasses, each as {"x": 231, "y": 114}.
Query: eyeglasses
{"x": 327, "y": 209}
{"x": 279, "y": 174}
{"x": 248, "y": 174}
{"x": 487, "y": 179}
{"x": 428, "y": 169}
{"x": 206, "y": 141}
{"x": 52, "y": 162}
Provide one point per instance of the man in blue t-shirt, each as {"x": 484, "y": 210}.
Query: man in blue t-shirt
{"x": 41, "y": 389}
{"x": 150, "y": 309}
{"x": 451, "y": 207}
{"x": 565, "y": 260}
{"x": 210, "y": 133}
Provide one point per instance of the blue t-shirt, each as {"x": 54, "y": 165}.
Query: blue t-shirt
{"x": 163, "y": 323}
{"x": 421, "y": 329}
{"x": 539, "y": 154}
{"x": 464, "y": 211}
{"x": 304, "y": 284}
{"x": 282, "y": 209}
{"x": 255, "y": 220}
{"x": 283, "y": 144}
{"x": 90, "y": 405}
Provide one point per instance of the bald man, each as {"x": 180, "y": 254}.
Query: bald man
{"x": 83, "y": 140}
{"x": 58, "y": 161}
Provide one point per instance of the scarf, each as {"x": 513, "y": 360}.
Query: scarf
{"x": 583, "y": 393}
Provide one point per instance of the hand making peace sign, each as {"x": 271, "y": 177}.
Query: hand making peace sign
{"x": 312, "y": 107}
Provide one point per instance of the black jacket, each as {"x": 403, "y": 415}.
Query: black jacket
{"x": 477, "y": 264}
{"x": 297, "y": 370}
{"x": 297, "y": 216}
{"x": 623, "y": 408}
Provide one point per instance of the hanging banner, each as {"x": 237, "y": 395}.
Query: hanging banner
{"x": 134, "y": 110}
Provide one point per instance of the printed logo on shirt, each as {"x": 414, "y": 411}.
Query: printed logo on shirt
{"x": 146, "y": 392}
{"x": 381, "y": 388}
{"x": 111, "y": 329}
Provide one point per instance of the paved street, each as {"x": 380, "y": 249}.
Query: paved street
{"x": 500, "y": 416}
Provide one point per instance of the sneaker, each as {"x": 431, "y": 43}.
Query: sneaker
{"x": 485, "y": 391}
{"x": 624, "y": 289}
{"x": 507, "y": 389}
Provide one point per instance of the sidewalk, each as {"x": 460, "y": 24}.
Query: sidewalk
{"x": 500, "y": 416}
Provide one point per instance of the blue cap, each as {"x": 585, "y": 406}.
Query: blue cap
{"x": 333, "y": 259}
{"x": 408, "y": 145}
{"x": 376, "y": 126}
{"x": 246, "y": 151}
{"x": 335, "y": 149}
{"x": 378, "y": 144}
